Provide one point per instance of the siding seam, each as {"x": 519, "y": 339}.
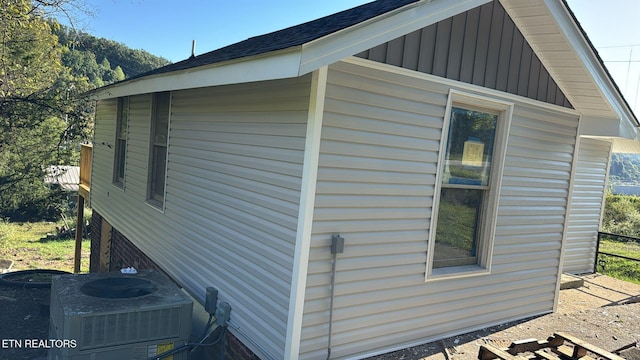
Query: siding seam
{"x": 563, "y": 246}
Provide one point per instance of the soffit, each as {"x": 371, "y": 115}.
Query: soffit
{"x": 563, "y": 48}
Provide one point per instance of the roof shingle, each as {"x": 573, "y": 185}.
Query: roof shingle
{"x": 286, "y": 38}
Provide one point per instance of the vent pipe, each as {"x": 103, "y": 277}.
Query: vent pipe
{"x": 193, "y": 49}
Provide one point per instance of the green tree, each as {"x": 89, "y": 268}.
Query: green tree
{"x": 42, "y": 115}
{"x": 83, "y": 64}
{"x": 118, "y": 74}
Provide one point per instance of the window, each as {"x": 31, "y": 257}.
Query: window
{"x": 469, "y": 175}
{"x": 158, "y": 151}
{"x": 121, "y": 141}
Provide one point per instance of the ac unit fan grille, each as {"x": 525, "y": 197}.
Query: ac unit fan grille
{"x": 129, "y": 327}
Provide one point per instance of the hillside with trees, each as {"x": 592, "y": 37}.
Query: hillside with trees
{"x": 625, "y": 169}
{"x": 100, "y": 60}
{"x": 45, "y": 72}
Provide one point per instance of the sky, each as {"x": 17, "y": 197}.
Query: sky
{"x": 167, "y": 27}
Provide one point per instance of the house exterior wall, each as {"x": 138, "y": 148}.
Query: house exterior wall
{"x": 126, "y": 254}
{"x": 232, "y": 191}
{"x": 586, "y": 205}
{"x": 481, "y": 46}
{"x": 376, "y": 178}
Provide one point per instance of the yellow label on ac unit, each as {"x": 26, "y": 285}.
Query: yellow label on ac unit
{"x": 159, "y": 349}
{"x": 163, "y": 348}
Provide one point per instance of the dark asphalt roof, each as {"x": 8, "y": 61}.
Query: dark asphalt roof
{"x": 286, "y": 38}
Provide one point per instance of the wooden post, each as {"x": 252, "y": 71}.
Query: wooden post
{"x": 105, "y": 246}
{"x": 79, "y": 233}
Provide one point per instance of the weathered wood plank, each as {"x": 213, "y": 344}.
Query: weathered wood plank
{"x": 581, "y": 347}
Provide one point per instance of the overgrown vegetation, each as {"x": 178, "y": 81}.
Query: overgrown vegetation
{"x": 622, "y": 217}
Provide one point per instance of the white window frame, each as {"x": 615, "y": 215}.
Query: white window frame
{"x": 487, "y": 234}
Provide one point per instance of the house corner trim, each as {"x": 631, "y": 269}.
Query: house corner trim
{"x": 563, "y": 245}
{"x": 305, "y": 213}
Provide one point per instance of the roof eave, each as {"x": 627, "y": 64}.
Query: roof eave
{"x": 605, "y": 99}
{"x": 298, "y": 60}
{"x": 273, "y": 65}
{"x": 585, "y": 48}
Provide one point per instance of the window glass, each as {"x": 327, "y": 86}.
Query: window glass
{"x": 469, "y": 147}
{"x": 159, "y": 139}
{"x": 162, "y": 118}
{"x": 465, "y": 185}
{"x": 158, "y": 172}
{"x": 457, "y": 231}
{"x": 124, "y": 117}
{"x": 121, "y": 141}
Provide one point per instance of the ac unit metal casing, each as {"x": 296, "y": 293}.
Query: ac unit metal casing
{"x": 118, "y": 328}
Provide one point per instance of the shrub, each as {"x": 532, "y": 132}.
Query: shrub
{"x": 622, "y": 215}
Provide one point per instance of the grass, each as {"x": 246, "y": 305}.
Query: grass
{"x": 26, "y": 244}
{"x": 623, "y": 269}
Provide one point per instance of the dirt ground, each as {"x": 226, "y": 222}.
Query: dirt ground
{"x": 23, "y": 315}
{"x": 604, "y": 312}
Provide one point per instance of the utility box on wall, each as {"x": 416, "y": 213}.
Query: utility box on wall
{"x": 116, "y": 316}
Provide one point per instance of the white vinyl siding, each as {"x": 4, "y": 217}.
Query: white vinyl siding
{"x": 379, "y": 148}
{"x": 234, "y": 171}
{"x": 586, "y": 205}
{"x": 103, "y": 153}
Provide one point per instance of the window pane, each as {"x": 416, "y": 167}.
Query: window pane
{"x": 124, "y": 118}
{"x": 121, "y": 150}
{"x": 469, "y": 147}
{"x": 457, "y": 229}
{"x": 158, "y": 172}
{"x": 161, "y": 118}
{"x": 121, "y": 141}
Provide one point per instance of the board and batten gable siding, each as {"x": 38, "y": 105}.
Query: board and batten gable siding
{"x": 481, "y": 46}
{"x": 376, "y": 179}
{"x": 235, "y": 158}
{"x": 586, "y": 205}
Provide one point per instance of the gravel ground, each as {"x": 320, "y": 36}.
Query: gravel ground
{"x": 604, "y": 312}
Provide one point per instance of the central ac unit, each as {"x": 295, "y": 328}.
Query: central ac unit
{"x": 105, "y": 316}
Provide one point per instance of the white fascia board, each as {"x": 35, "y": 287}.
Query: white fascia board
{"x": 378, "y": 30}
{"x": 585, "y": 53}
{"x": 274, "y": 65}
